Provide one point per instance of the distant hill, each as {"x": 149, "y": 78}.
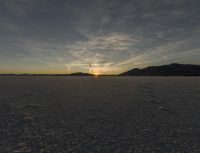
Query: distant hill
{"x": 72, "y": 74}
{"x": 80, "y": 74}
{"x": 173, "y": 69}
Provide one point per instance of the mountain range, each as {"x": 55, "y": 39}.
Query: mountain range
{"x": 173, "y": 69}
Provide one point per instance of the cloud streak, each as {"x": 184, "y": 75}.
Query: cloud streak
{"x": 112, "y": 35}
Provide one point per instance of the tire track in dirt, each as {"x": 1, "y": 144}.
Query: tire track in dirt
{"x": 149, "y": 97}
{"x": 16, "y": 97}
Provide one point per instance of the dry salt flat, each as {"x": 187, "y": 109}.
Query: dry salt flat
{"x": 99, "y": 115}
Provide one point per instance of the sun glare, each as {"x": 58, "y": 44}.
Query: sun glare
{"x": 96, "y": 75}
{"x": 95, "y": 71}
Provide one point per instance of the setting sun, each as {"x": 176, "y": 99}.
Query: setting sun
{"x": 95, "y": 70}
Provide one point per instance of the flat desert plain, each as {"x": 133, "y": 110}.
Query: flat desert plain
{"x": 99, "y": 115}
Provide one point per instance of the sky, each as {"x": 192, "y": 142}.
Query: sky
{"x": 97, "y": 36}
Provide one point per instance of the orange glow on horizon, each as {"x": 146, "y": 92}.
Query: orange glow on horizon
{"x": 95, "y": 71}
{"x": 96, "y": 75}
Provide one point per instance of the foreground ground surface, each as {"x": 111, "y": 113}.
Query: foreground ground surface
{"x": 99, "y": 115}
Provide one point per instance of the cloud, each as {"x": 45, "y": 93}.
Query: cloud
{"x": 113, "y": 41}
{"x": 112, "y": 35}
{"x": 101, "y": 51}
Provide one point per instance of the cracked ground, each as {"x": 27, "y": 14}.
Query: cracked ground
{"x": 99, "y": 115}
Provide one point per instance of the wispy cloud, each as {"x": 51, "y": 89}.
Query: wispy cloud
{"x": 112, "y": 35}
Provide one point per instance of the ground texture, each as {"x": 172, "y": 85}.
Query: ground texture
{"x": 99, "y": 115}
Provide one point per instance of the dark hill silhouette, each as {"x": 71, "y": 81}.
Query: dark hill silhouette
{"x": 173, "y": 69}
{"x": 80, "y": 74}
{"x": 72, "y": 74}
